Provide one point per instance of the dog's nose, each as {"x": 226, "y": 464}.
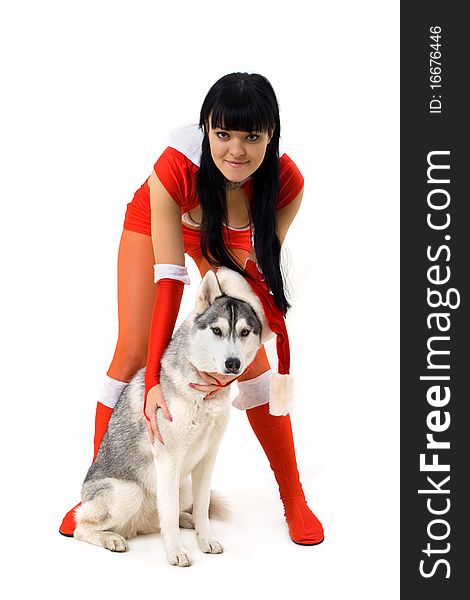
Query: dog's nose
{"x": 232, "y": 364}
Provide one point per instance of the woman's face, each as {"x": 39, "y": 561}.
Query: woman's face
{"x": 237, "y": 153}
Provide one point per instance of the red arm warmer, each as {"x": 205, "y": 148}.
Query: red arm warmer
{"x": 165, "y": 312}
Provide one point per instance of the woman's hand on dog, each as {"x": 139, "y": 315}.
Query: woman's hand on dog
{"x": 155, "y": 400}
{"x": 212, "y": 383}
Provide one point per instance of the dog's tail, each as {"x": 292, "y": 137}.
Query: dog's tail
{"x": 219, "y": 507}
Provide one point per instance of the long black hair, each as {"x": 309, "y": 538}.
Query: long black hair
{"x": 242, "y": 102}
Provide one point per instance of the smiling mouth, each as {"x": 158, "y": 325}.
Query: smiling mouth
{"x": 236, "y": 165}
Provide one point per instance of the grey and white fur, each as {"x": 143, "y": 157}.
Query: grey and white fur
{"x": 135, "y": 487}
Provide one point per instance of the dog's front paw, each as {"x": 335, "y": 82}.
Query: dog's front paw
{"x": 180, "y": 558}
{"x": 210, "y": 545}
{"x": 114, "y": 542}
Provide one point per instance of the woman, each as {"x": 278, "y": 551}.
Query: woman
{"x": 221, "y": 194}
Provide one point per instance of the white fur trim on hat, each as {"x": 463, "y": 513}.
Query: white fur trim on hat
{"x": 235, "y": 285}
{"x": 281, "y": 394}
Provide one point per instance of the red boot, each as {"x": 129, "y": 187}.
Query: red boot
{"x": 103, "y": 414}
{"x": 275, "y": 436}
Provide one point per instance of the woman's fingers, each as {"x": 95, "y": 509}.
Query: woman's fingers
{"x": 164, "y": 407}
{"x": 149, "y": 430}
{"x": 204, "y": 387}
{"x": 156, "y": 431}
{"x": 208, "y": 389}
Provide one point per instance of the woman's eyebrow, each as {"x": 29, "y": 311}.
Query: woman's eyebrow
{"x": 239, "y": 130}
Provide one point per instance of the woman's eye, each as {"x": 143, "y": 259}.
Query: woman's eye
{"x": 222, "y": 135}
{"x": 217, "y": 331}
{"x": 253, "y": 137}
{"x": 244, "y": 332}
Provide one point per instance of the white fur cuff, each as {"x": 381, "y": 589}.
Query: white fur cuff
{"x": 281, "y": 395}
{"x": 111, "y": 391}
{"x": 163, "y": 271}
{"x": 253, "y": 392}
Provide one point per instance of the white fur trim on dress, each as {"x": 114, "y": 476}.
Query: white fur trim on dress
{"x": 188, "y": 141}
{"x": 253, "y": 392}
{"x": 232, "y": 284}
{"x": 162, "y": 271}
{"x": 281, "y": 395}
{"x": 111, "y": 391}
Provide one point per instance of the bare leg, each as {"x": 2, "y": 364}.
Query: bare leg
{"x": 136, "y": 295}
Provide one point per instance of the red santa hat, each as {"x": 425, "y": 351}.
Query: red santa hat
{"x": 254, "y": 291}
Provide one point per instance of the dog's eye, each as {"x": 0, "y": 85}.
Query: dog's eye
{"x": 217, "y": 331}
{"x": 244, "y": 332}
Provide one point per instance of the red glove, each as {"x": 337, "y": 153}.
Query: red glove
{"x": 165, "y": 312}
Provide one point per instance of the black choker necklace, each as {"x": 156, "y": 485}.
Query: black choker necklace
{"x": 234, "y": 185}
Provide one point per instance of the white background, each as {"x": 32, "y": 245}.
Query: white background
{"x": 90, "y": 93}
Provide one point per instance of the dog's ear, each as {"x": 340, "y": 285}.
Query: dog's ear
{"x": 208, "y": 291}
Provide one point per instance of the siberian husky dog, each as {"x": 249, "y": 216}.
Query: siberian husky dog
{"x": 135, "y": 487}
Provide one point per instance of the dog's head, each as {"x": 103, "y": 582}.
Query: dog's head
{"x": 228, "y": 331}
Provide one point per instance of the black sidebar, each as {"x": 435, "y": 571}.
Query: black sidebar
{"x": 435, "y": 300}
